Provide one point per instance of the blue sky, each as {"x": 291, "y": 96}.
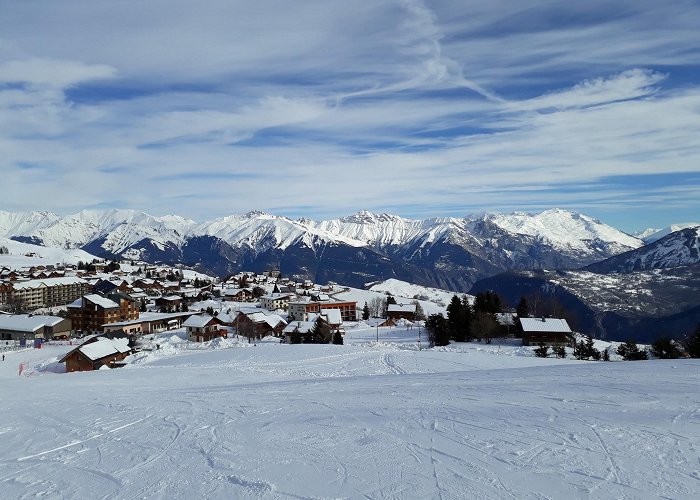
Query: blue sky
{"x": 321, "y": 108}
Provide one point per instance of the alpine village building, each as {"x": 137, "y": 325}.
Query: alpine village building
{"x": 91, "y": 311}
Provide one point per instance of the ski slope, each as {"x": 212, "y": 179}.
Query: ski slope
{"x": 362, "y": 420}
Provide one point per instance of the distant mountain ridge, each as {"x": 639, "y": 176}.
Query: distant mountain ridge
{"x": 641, "y": 293}
{"x": 680, "y": 248}
{"x": 443, "y": 252}
{"x": 651, "y": 234}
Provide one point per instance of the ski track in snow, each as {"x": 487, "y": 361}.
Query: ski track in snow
{"x": 358, "y": 421}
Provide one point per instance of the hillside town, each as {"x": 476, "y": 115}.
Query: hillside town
{"x": 102, "y": 301}
{"x": 105, "y": 308}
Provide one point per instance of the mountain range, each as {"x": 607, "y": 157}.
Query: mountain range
{"x": 611, "y": 284}
{"x": 450, "y": 253}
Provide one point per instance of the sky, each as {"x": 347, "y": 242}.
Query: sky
{"x": 320, "y": 108}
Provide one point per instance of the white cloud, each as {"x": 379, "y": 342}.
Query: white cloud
{"x": 52, "y": 73}
{"x": 339, "y": 105}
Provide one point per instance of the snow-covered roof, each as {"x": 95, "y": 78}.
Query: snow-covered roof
{"x": 408, "y": 308}
{"x": 333, "y": 315}
{"x": 26, "y": 323}
{"x": 552, "y": 325}
{"x": 101, "y": 301}
{"x": 271, "y": 319}
{"x": 302, "y": 326}
{"x": 276, "y": 296}
{"x": 198, "y": 321}
{"x": 104, "y": 347}
{"x": 171, "y": 298}
{"x": 65, "y": 280}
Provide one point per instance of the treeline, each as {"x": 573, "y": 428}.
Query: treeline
{"x": 465, "y": 322}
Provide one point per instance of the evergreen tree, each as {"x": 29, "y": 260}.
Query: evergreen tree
{"x": 630, "y": 351}
{"x": 591, "y": 351}
{"x": 523, "y": 309}
{"x": 665, "y": 348}
{"x": 388, "y": 301}
{"x": 295, "y": 337}
{"x": 365, "y": 312}
{"x": 542, "y": 351}
{"x": 338, "y": 338}
{"x": 320, "y": 333}
{"x": 488, "y": 302}
{"x": 438, "y": 331}
{"x": 606, "y": 354}
{"x": 559, "y": 351}
{"x": 692, "y": 343}
{"x": 456, "y": 320}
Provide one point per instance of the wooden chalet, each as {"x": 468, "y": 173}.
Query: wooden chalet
{"x": 96, "y": 353}
{"x": 401, "y": 311}
{"x": 203, "y": 328}
{"x": 548, "y": 331}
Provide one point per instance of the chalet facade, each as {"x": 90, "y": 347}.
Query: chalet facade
{"x": 401, "y": 311}
{"x": 203, "y": 328}
{"x": 299, "y": 310}
{"x": 259, "y": 324}
{"x": 548, "y": 331}
{"x": 19, "y": 326}
{"x": 90, "y": 312}
{"x": 275, "y": 301}
{"x": 238, "y": 295}
{"x": 169, "y": 303}
{"x": 96, "y": 353}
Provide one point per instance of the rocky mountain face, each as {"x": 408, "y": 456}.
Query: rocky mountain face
{"x": 681, "y": 248}
{"x": 638, "y": 294}
{"x": 450, "y": 253}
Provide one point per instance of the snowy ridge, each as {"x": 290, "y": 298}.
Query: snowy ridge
{"x": 681, "y": 248}
{"x": 264, "y": 231}
{"x": 566, "y": 230}
{"x": 27, "y": 255}
{"x": 444, "y": 252}
{"x": 652, "y": 234}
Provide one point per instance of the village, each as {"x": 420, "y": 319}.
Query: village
{"x": 104, "y": 308}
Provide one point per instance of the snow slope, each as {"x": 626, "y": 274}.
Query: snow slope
{"x": 26, "y": 255}
{"x": 363, "y": 420}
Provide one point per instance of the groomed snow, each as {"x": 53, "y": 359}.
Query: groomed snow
{"x": 362, "y": 420}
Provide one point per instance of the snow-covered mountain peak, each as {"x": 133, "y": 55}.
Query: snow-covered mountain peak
{"x": 651, "y": 235}
{"x": 680, "y": 248}
{"x": 258, "y": 214}
{"x": 367, "y": 217}
{"x": 565, "y": 229}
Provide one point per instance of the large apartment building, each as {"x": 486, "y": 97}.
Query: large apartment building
{"x": 48, "y": 292}
{"x": 299, "y": 311}
{"x": 90, "y": 312}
